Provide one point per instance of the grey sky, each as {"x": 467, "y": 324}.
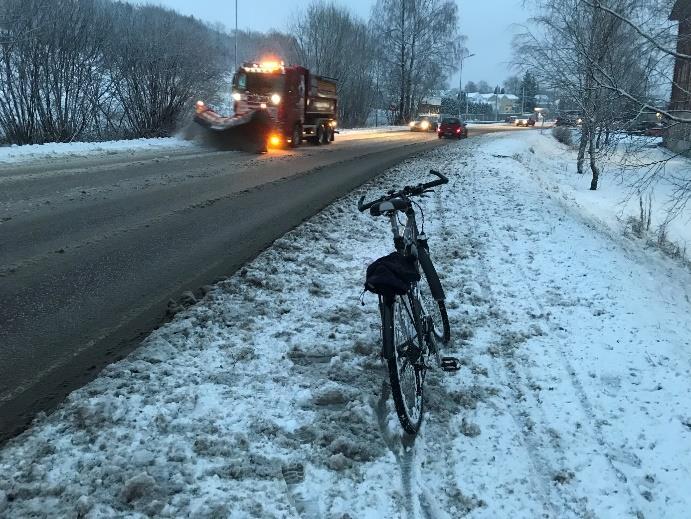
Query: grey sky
{"x": 487, "y": 24}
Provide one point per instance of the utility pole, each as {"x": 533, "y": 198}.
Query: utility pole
{"x": 376, "y": 102}
{"x": 235, "y": 65}
{"x": 496, "y": 102}
{"x": 523, "y": 101}
{"x": 460, "y": 83}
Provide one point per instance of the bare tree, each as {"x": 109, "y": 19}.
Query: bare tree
{"x": 574, "y": 49}
{"x": 332, "y": 42}
{"x": 160, "y": 62}
{"x": 613, "y": 60}
{"x": 512, "y": 85}
{"x": 254, "y": 45}
{"x": 85, "y": 69}
{"x": 52, "y": 74}
{"x": 484, "y": 87}
{"x": 419, "y": 47}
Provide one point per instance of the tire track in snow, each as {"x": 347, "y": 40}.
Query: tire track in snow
{"x": 538, "y": 480}
{"x": 540, "y": 464}
{"x": 418, "y": 501}
{"x": 610, "y": 453}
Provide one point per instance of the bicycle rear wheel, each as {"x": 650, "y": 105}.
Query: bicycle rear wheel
{"x": 401, "y": 324}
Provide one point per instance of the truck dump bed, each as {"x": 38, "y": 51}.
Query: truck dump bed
{"x": 322, "y": 96}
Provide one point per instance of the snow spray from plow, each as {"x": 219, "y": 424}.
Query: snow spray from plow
{"x": 249, "y": 132}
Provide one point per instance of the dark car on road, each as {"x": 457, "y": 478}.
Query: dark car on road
{"x": 452, "y": 127}
{"x": 424, "y": 124}
{"x": 654, "y": 130}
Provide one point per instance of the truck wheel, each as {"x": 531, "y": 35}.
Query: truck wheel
{"x": 297, "y": 137}
{"x": 332, "y": 135}
{"x": 320, "y": 135}
{"x": 328, "y": 136}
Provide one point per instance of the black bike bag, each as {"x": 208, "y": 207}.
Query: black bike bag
{"x": 391, "y": 275}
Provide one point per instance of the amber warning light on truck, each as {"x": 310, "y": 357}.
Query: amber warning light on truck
{"x": 264, "y": 66}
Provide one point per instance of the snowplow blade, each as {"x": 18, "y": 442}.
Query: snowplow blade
{"x": 248, "y": 132}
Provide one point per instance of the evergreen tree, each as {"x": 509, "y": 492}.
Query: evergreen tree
{"x": 449, "y": 105}
{"x": 529, "y": 90}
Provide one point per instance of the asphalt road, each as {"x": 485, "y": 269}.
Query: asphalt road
{"x": 92, "y": 250}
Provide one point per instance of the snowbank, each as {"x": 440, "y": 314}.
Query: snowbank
{"x": 376, "y": 129}
{"x": 17, "y": 154}
{"x": 616, "y": 202}
{"x": 268, "y": 398}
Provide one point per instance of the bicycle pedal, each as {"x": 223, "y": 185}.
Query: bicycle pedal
{"x": 450, "y": 364}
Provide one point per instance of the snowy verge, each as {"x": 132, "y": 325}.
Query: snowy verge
{"x": 18, "y": 154}
{"x": 375, "y": 129}
{"x": 268, "y": 398}
{"x": 616, "y": 203}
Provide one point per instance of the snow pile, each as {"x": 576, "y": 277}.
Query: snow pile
{"x": 268, "y": 398}
{"x": 17, "y": 154}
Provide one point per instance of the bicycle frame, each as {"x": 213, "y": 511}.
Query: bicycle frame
{"x": 408, "y": 244}
{"x": 410, "y": 233}
{"x": 412, "y": 242}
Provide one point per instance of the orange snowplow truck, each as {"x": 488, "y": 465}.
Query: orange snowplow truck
{"x": 276, "y": 105}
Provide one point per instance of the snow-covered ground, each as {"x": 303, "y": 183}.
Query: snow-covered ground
{"x": 18, "y": 154}
{"x": 637, "y": 166}
{"x": 373, "y": 129}
{"x": 268, "y": 398}
{"x": 22, "y": 154}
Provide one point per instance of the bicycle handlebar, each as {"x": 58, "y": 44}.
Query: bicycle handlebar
{"x": 407, "y": 191}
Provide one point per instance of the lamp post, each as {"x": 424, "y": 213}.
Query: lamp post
{"x": 497, "y": 90}
{"x": 460, "y": 82}
{"x": 235, "y": 67}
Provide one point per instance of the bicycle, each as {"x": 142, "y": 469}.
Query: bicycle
{"x": 412, "y": 307}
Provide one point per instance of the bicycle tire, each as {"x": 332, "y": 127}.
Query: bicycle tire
{"x": 407, "y": 379}
{"x": 442, "y": 328}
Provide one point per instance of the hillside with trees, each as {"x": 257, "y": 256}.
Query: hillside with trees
{"x": 80, "y": 70}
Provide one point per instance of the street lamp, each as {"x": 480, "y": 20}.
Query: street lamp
{"x": 236, "y": 37}
{"x": 460, "y": 81}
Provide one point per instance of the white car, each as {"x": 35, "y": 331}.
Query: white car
{"x": 525, "y": 120}
{"x": 424, "y": 124}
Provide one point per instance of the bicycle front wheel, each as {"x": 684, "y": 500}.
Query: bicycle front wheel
{"x": 432, "y": 295}
{"x": 402, "y": 328}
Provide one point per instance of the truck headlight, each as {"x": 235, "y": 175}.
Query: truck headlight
{"x": 275, "y": 99}
{"x": 237, "y": 96}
